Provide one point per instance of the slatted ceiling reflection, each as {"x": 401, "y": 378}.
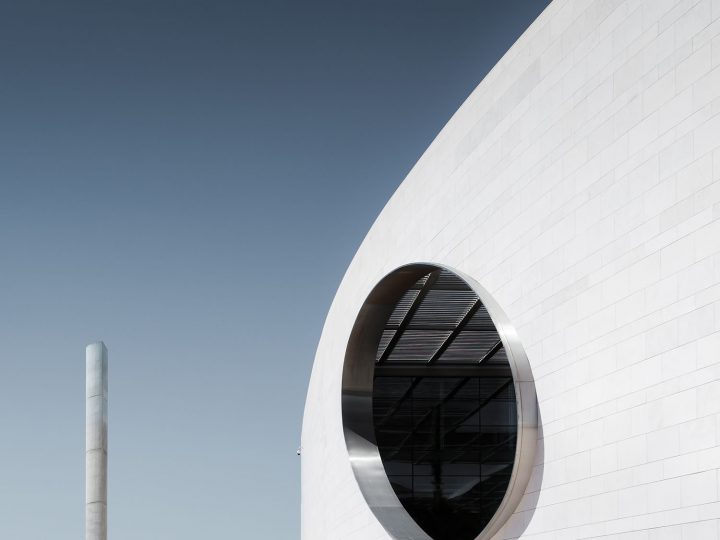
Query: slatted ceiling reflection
{"x": 387, "y": 335}
{"x": 443, "y": 308}
{"x": 417, "y": 345}
{"x": 420, "y": 283}
{"x": 480, "y": 320}
{"x": 499, "y": 358}
{"x": 469, "y": 346}
{"x": 448, "y": 280}
{"x": 432, "y": 318}
{"x": 402, "y": 307}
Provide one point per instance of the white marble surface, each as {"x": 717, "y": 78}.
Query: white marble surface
{"x": 580, "y": 185}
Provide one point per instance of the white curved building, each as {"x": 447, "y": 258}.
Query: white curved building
{"x": 527, "y": 343}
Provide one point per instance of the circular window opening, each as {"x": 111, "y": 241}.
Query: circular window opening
{"x": 439, "y": 407}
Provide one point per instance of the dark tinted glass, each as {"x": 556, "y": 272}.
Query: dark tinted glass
{"x": 444, "y": 408}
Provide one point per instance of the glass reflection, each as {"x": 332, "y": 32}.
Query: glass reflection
{"x": 446, "y": 436}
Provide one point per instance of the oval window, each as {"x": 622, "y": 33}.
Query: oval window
{"x": 431, "y": 407}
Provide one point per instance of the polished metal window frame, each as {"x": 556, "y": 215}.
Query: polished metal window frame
{"x": 357, "y": 410}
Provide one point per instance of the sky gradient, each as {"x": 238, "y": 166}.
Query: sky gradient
{"x": 188, "y": 181}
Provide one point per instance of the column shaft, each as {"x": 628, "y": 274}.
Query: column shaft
{"x": 96, "y": 419}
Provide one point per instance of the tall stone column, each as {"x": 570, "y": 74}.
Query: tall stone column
{"x": 96, "y": 420}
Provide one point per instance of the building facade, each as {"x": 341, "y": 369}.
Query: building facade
{"x": 527, "y": 342}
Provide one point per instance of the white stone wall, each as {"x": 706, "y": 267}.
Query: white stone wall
{"x": 580, "y": 185}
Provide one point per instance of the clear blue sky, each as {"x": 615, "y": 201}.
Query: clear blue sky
{"x": 188, "y": 181}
